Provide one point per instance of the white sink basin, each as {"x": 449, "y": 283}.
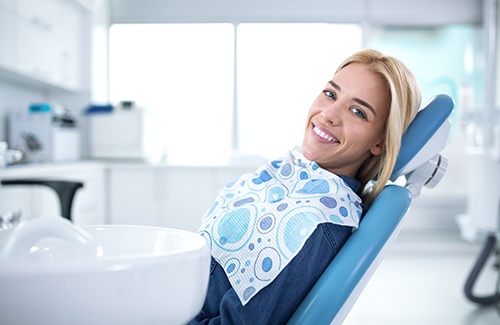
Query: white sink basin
{"x": 52, "y": 272}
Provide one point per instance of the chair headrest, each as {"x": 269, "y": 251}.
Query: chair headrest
{"x": 426, "y": 136}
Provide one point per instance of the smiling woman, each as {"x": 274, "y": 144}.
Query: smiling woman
{"x": 273, "y": 232}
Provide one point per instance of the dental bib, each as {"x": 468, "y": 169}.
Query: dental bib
{"x": 260, "y": 222}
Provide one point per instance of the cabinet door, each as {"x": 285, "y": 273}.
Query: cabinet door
{"x": 135, "y": 196}
{"x": 16, "y": 198}
{"x": 72, "y": 40}
{"x": 8, "y": 4}
{"x": 89, "y": 205}
{"x": 174, "y": 197}
{"x": 46, "y": 14}
{"x": 187, "y": 197}
{"x": 168, "y": 197}
{"x": 49, "y": 37}
{"x": 38, "y": 52}
{"x": 7, "y": 41}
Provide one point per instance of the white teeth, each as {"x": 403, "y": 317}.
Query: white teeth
{"x": 323, "y": 135}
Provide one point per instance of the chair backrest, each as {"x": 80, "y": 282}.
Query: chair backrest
{"x": 333, "y": 295}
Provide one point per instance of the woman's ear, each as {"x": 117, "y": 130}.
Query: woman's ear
{"x": 378, "y": 148}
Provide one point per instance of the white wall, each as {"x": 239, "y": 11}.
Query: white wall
{"x": 13, "y": 97}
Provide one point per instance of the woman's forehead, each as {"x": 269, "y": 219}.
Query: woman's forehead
{"x": 357, "y": 80}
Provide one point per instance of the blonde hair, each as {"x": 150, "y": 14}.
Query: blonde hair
{"x": 404, "y": 102}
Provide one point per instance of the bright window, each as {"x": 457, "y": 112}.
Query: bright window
{"x": 281, "y": 69}
{"x": 184, "y": 75}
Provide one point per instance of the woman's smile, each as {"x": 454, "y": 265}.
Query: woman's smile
{"x": 325, "y": 135}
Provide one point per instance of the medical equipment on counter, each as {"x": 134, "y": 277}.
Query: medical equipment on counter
{"x": 44, "y": 134}
{"x": 9, "y": 156}
{"x": 336, "y": 291}
{"x": 117, "y": 132}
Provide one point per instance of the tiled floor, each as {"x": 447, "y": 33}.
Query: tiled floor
{"x": 420, "y": 282}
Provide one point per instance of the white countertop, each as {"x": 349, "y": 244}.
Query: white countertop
{"x": 39, "y": 170}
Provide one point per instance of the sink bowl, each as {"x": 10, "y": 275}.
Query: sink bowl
{"x": 52, "y": 272}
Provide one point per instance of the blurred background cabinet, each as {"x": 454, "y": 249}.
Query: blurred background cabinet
{"x": 167, "y": 196}
{"x": 7, "y": 37}
{"x": 42, "y": 41}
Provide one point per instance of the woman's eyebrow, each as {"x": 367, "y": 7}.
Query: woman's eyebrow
{"x": 362, "y": 102}
{"x": 357, "y": 100}
{"x": 334, "y": 85}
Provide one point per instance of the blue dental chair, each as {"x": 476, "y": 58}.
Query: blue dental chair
{"x": 338, "y": 288}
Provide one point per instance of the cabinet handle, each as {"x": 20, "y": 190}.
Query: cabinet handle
{"x": 41, "y": 23}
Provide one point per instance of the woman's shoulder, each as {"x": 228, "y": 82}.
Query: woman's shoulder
{"x": 335, "y": 234}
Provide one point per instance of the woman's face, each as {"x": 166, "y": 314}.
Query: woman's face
{"x": 346, "y": 122}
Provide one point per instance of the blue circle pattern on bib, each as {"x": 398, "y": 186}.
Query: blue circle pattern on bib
{"x": 259, "y": 222}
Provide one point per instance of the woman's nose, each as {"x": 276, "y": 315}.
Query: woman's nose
{"x": 331, "y": 114}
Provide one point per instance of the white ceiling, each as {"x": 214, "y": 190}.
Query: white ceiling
{"x": 390, "y": 12}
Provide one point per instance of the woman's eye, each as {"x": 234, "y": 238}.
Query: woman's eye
{"x": 330, "y": 94}
{"x": 358, "y": 112}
